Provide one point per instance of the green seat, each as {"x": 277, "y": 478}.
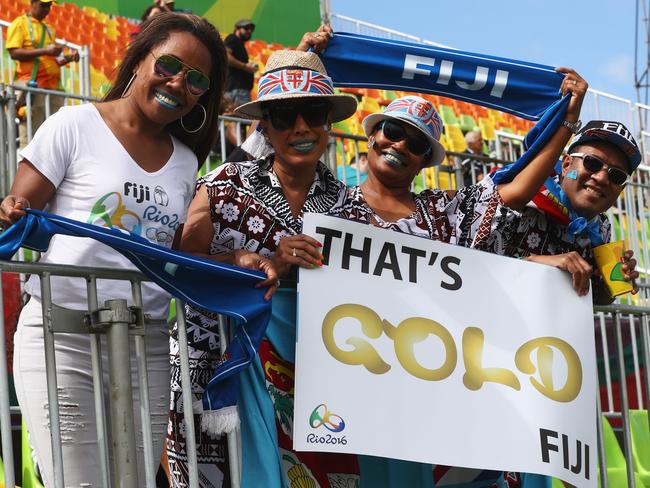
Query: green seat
{"x": 616, "y": 468}
{"x": 390, "y": 95}
{"x": 641, "y": 444}
{"x": 30, "y": 479}
{"x": 171, "y": 316}
{"x": 448, "y": 115}
{"x": 467, "y": 123}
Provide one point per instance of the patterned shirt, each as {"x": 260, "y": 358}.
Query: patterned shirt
{"x": 534, "y": 232}
{"x": 248, "y": 208}
{"x": 460, "y": 217}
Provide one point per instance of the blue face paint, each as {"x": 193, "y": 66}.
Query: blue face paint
{"x": 573, "y": 174}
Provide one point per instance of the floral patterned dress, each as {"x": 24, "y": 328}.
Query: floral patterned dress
{"x": 462, "y": 217}
{"x": 532, "y": 231}
{"x": 249, "y": 211}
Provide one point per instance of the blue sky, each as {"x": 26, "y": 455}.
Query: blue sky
{"x": 595, "y": 37}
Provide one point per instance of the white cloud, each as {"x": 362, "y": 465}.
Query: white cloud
{"x": 618, "y": 69}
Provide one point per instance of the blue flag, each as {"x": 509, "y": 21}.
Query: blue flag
{"x": 517, "y": 87}
{"x": 206, "y": 284}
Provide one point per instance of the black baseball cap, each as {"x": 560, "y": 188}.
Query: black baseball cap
{"x": 244, "y": 23}
{"x": 614, "y": 133}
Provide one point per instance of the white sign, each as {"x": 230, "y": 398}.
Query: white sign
{"x": 417, "y": 350}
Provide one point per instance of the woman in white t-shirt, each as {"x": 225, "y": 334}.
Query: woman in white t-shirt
{"x": 129, "y": 162}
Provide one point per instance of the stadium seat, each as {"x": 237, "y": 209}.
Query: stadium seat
{"x": 448, "y": 115}
{"x": 641, "y": 444}
{"x": 455, "y": 138}
{"x": 30, "y": 479}
{"x": 616, "y": 467}
{"x": 467, "y": 123}
{"x": 486, "y": 127}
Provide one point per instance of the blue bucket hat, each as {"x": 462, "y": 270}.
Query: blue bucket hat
{"x": 417, "y": 112}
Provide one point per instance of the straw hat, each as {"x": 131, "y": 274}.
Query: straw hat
{"x": 417, "y": 112}
{"x": 295, "y": 75}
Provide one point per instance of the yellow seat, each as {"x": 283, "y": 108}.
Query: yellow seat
{"x": 486, "y": 126}
{"x": 455, "y": 138}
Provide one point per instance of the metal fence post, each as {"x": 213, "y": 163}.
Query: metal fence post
{"x": 186, "y": 385}
{"x": 98, "y": 385}
{"x": 52, "y": 388}
{"x": 627, "y": 442}
{"x": 233, "y": 445}
{"x": 602, "y": 457}
{"x": 125, "y": 469}
{"x": 143, "y": 384}
{"x": 5, "y": 414}
{"x": 4, "y": 173}
{"x": 11, "y": 136}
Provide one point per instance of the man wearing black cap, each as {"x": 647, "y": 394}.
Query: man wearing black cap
{"x": 565, "y": 219}
{"x": 241, "y": 72}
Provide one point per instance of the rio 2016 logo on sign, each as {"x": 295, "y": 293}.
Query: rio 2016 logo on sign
{"x": 322, "y": 417}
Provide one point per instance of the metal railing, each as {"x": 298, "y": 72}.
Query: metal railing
{"x": 117, "y": 322}
{"x": 8, "y": 128}
{"x": 623, "y": 322}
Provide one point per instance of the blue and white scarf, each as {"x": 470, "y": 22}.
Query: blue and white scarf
{"x": 528, "y": 90}
{"x": 517, "y": 87}
{"x": 206, "y": 284}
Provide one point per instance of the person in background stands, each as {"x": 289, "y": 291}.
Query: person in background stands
{"x": 473, "y": 168}
{"x": 32, "y": 44}
{"x": 241, "y": 72}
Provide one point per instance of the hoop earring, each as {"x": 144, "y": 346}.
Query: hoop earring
{"x": 205, "y": 118}
{"x": 128, "y": 85}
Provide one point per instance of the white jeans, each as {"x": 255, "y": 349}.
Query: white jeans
{"x": 76, "y": 402}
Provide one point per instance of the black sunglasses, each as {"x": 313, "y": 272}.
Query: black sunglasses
{"x": 168, "y": 66}
{"x": 594, "y": 164}
{"x": 396, "y": 132}
{"x": 283, "y": 116}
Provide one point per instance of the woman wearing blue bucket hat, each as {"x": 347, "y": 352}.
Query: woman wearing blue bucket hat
{"x": 404, "y": 139}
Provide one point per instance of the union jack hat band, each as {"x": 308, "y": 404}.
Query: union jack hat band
{"x": 294, "y": 80}
{"x": 417, "y": 112}
{"x": 297, "y": 74}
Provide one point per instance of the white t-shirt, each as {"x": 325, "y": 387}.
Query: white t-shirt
{"x": 98, "y": 182}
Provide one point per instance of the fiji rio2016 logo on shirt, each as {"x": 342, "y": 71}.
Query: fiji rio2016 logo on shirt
{"x": 322, "y": 417}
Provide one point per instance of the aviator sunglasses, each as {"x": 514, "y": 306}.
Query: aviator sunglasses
{"x": 168, "y": 66}
{"x": 593, "y": 164}
{"x": 395, "y": 132}
{"x": 284, "y": 116}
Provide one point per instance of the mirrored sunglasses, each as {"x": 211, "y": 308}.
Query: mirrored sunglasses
{"x": 283, "y": 116}
{"x": 594, "y": 164}
{"x": 168, "y": 66}
{"x": 395, "y": 132}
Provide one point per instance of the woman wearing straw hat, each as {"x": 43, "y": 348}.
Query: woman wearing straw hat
{"x": 258, "y": 206}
